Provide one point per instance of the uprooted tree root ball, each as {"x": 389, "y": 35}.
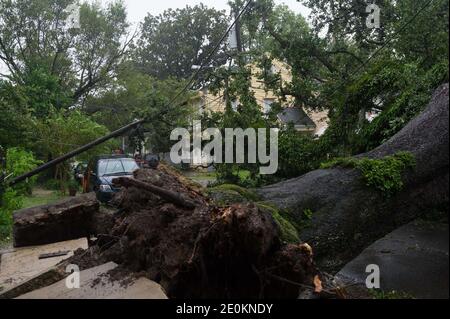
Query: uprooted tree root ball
{"x": 201, "y": 252}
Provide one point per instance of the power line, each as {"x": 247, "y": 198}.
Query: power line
{"x": 211, "y": 101}
{"x": 206, "y": 60}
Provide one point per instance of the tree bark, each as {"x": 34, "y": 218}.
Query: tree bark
{"x": 347, "y": 214}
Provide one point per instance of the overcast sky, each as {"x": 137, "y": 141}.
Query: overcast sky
{"x": 138, "y": 9}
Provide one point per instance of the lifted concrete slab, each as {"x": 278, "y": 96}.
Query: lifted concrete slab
{"x": 413, "y": 259}
{"x": 67, "y": 219}
{"x": 96, "y": 284}
{"x": 22, "y": 264}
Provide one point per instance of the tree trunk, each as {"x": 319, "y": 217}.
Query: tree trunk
{"x": 347, "y": 214}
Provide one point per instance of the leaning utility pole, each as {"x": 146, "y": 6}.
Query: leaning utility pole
{"x": 235, "y": 46}
{"x": 72, "y": 154}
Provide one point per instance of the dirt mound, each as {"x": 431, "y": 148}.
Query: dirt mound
{"x": 202, "y": 251}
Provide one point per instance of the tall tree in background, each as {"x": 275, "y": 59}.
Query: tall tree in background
{"x": 172, "y": 42}
{"x": 134, "y": 95}
{"x": 38, "y": 47}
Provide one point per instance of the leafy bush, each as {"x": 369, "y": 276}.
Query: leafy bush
{"x": 300, "y": 153}
{"x": 11, "y": 201}
{"x": 297, "y": 153}
{"x": 20, "y": 161}
{"x": 62, "y": 132}
{"x": 383, "y": 174}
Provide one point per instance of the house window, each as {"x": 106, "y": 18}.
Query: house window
{"x": 267, "y": 107}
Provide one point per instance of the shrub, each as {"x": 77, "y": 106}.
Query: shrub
{"x": 11, "y": 201}
{"x": 18, "y": 162}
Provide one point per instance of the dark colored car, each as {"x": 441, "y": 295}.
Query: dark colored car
{"x": 102, "y": 170}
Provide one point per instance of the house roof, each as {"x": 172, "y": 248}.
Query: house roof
{"x": 296, "y": 116}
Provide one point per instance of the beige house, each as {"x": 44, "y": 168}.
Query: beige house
{"x": 314, "y": 123}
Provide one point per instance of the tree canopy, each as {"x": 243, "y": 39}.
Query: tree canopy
{"x": 174, "y": 41}
{"x": 36, "y": 44}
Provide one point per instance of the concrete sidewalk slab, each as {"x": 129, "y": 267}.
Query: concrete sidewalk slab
{"x": 21, "y": 264}
{"x": 96, "y": 284}
{"x": 413, "y": 259}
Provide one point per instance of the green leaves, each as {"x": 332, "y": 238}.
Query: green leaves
{"x": 172, "y": 42}
{"x": 297, "y": 153}
{"x": 134, "y": 95}
{"x": 11, "y": 202}
{"x": 384, "y": 174}
{"x": 35, "y": 46}
{"x": 18, "y": 162}
{"x": 61, "y": 133}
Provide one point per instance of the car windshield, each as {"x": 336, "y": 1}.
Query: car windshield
{"x": 121, "y": 166}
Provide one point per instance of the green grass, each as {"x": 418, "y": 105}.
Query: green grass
{"x": 203, "y": 176}
{"x": 41, "y": 199}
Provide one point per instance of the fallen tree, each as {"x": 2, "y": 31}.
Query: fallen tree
{"x": 196, "y": 249}
{"x": 164, "y": 228}
{"x": 167, "y": 229}
{"x": 342, "y": 209}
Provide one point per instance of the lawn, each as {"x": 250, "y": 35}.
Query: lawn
{"x": 41, "y": 197}
{"x": 202, "y": 178}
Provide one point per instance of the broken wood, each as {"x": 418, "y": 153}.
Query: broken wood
{"x": 168, "y": 195}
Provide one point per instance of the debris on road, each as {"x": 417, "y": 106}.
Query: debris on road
{"x": 20, "y": 265}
